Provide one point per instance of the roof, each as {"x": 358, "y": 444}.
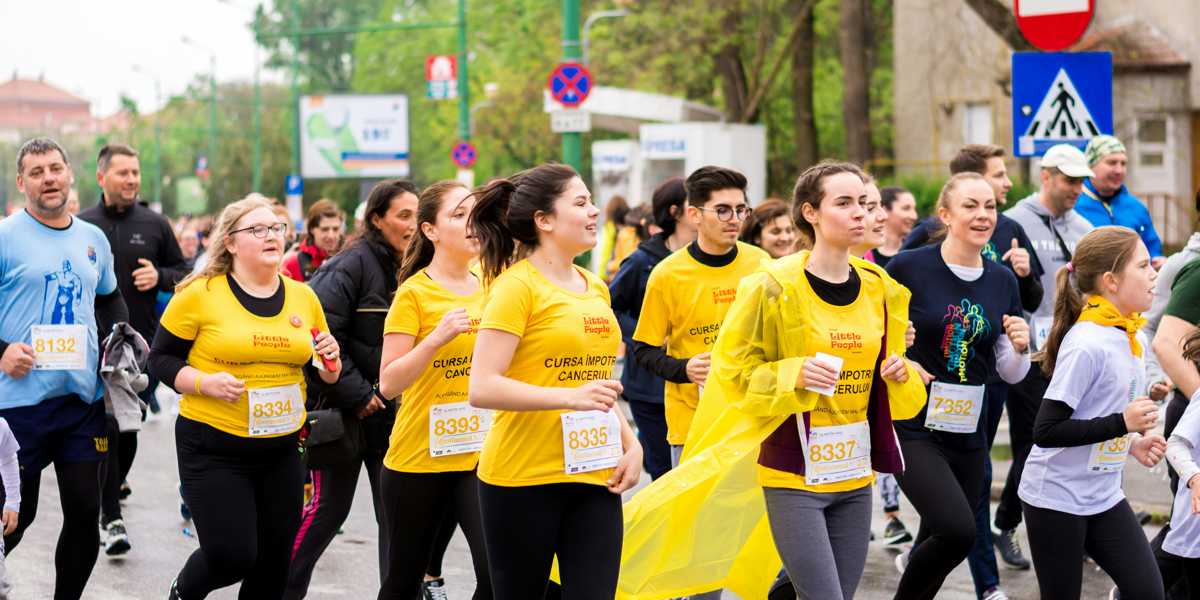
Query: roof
{"x": 37, "y": 92}
{"x": 1135, "y": 46}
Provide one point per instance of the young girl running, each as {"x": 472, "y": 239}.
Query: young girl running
{"x": 428, "y": 337}
{"x": 559, "y": 453}
{"x": 1091, "y": 419}
{"x": 816, "y": 468}
{"x": 1183, "y": 451}
{"x": 967, "y": 316}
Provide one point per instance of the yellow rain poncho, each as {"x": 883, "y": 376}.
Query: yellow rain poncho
{"x": 703, "y": 525}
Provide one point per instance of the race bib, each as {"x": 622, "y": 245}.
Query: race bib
{"x": 275, "y": 410}
{"x": 837, "y": 453}
{"x": 457, "y": 428}
{"x": 591, "y": 441}
{"x": 954, "y": 408}
{"x": 1109, "y": 456}
{"x": 1041, "y": 331}
{"x": 59, "y": 347}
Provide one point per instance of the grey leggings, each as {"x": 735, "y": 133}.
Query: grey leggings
{"x": 822, "y": 538}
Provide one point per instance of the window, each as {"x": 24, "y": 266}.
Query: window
{"x": 977, "y": 123}
{"x": 1150, "y": 168}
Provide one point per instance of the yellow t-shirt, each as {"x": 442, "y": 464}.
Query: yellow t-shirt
{"x": 684, "y": 307}
{"x": 567, "y": 340}
{"x": 263, "y": 352}
{"x": 853, "y": 333}
{"x": 417, "y": 309}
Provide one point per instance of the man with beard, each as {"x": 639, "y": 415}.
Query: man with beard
{"x": 147, "y": 259}
{"x": 58, "y": 294}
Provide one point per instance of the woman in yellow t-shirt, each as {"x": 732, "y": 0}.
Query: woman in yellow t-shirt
{"x": 428, "y": 338}
{"x": 560, "y": 452}
{"x": 235, "y": 340}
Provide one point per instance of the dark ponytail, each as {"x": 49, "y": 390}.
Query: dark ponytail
{"x": 503, "y": 217}
{"x": 419, "y": 253}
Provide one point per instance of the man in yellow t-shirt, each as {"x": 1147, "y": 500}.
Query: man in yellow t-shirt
{"x": 690, "y": 291}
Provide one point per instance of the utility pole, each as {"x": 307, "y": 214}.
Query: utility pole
{"x": 572, "y": 143}
{"x": 157, "y": 181}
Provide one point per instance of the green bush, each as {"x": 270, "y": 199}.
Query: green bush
{"x": 926, "y": 188}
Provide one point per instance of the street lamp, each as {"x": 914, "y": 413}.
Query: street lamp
{"x": 212, "y": 106}
{"x": 157, "y": 131}
{"x": 591, "y": 20}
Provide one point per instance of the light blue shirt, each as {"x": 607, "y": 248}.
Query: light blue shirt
{"x": 51, "y": 276}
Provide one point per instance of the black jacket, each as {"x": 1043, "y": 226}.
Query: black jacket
{"x": 356, "y": 289}
{"x": 139, "y": 232}
{"x": 628, "y": 289}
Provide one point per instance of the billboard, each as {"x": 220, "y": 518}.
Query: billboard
{"x": 354, "y": 136}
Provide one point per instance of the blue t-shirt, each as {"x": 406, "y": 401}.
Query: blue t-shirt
{"x": 957, "y": 324}
{"x": 51, "y": 276}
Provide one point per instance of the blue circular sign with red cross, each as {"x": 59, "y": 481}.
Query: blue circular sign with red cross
{"x": 463, "y": 154}
{"x": 570, "y": 83}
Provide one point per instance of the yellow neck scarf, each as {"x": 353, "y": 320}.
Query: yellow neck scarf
{"x": 1100, "y": 311}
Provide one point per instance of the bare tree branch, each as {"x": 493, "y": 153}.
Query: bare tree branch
{"x": 999, "y": 18}
{"x": 751, "y": 108}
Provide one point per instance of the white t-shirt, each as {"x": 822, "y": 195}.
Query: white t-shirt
{"x": 1184, "y": 537}
{"x": 1096, "y": 375}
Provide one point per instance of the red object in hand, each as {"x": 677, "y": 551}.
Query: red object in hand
{"x": 330, "y": 365}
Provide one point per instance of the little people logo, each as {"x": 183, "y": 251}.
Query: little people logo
{"x": 597, "y": 325}
{"x": 965, "y": 323}
{"x": 724, "y": 295}
{"x": 845, "y": 340}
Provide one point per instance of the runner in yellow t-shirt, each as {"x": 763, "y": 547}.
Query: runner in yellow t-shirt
{"x": 560, "y": 452}
{"x": 428, "y": 338}
{"x": 689, "y": 293}
{"x": 234, "y": 341}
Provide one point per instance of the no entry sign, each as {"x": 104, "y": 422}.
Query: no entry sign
{"x": 570, "y": 83}
{"x": 1053, "y": 24}
{"x": 463, "y": 154}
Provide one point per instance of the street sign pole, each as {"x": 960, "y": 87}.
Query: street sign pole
{"x": 572, "y": 142}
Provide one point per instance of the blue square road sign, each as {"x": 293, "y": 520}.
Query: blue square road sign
{"x": 1060, "y": 97}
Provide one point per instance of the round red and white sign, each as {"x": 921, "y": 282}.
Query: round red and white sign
{"x": 1053, "y": 24}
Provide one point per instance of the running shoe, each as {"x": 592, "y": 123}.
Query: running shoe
{"x": 173, "y": 594}
{"x": 1010, "y": 549}
{"x": 902, "y": 561}
{"x": 434, "y": 589}
{"x": 994, "y": 593}
{"x": 895, "y": 533}
{"x": 116, "y": 540}
{"x": 1114, "y": 593}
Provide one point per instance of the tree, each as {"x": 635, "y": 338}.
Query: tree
{"x": 999, "y": 18}
{"x": 326, "y": 61}
{"x": 803, "y": 111}
{"x": 856, "y": 104}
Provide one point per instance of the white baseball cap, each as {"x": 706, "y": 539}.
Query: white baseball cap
{"x": 1068, "y": 159}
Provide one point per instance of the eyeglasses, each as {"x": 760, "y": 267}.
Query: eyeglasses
{"x": 726, "y": 213}
{"x": 260, "y": 231}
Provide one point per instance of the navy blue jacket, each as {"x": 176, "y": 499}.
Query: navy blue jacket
{"x": 628, "y": 288}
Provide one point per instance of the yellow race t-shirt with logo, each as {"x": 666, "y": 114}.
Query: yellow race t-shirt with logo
{"x": 263, "y": 352}
{"x": 853, "y": 333}
{"x": 567, "y": 340}
{"x": 417, "y": 309}
{"x": 683, "y": 309}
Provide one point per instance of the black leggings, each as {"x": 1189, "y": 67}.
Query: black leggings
{"x": 245, "y": 495}
{"x": 525, "y": 527}
{"x": 445, "y": 533}
{"x": 333, "y": 494}
{"x": 415, "y": 507}
{"x": 122, "y": 447}
{"x": 79, "y": 540}
{"x": 1113, "y": 539}
{"x": 944, "y": 485}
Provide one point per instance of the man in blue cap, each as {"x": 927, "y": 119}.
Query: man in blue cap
{"x": 1106, "y": 200}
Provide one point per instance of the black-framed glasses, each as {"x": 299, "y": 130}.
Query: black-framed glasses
{"x": 726, "y": 213}
{"x": 260, "y": 231}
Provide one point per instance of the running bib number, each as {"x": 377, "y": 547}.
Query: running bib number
{"x": 457, "y": 428}
{"x": 837, "y": 453}
{"x": 591, "y": 441}
{"x": 59, "y": 347}
{"x": 954, "y": 408}
{"x": 1109, "y": 456}
{"x": 1041, "y": 331}
{"x": 275, "y": 410}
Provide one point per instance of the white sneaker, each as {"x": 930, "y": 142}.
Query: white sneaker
{"x": 994, "y": 593}
{"x": 116, "y": 540}
{"x": 902, "y": 561}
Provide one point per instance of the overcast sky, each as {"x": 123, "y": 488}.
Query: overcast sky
{"x": 90, "y": 48}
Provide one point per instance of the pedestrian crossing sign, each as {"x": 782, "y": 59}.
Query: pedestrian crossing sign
{"x": 1060, "y": 97}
